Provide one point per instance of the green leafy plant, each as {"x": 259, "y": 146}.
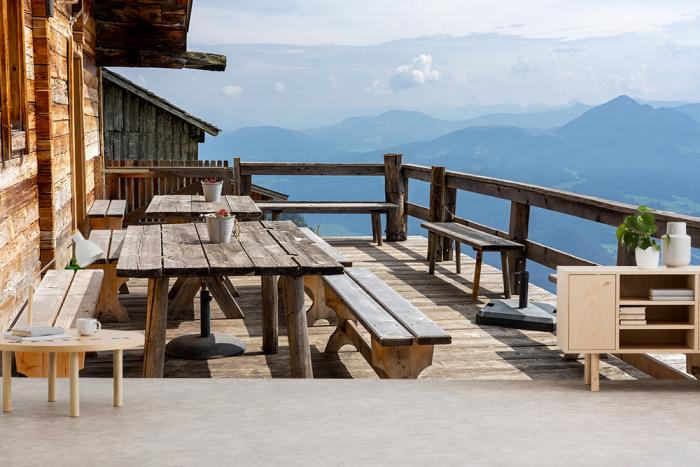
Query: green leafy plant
{"x": 638, "y": 229}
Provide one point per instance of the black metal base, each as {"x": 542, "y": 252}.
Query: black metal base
{"x": 505, "y": 313}
{"x": 196, "y": 347}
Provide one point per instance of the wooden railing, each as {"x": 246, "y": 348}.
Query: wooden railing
{"x": 137, "y": 181}
{"x": 444, "y": 185}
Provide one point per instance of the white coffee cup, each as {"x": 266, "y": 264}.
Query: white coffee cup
{"x": 88, "y": 326}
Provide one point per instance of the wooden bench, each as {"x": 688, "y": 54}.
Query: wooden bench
{"x": 107, "y": 214}
{"x": 313, "y": 285}
{"x": 108, "y": 307}
{"x": 375, "y": 209}
{"x": 62, "y": 297}
{"x": 479, "y": 241}
{"x": 402, "y": 338}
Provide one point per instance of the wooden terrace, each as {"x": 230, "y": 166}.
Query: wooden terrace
{"x": 476, "y": 352}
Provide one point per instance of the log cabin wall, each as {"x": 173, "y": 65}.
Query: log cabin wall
{"x": 36, "y": 192}
{"x": 139, "y": 125}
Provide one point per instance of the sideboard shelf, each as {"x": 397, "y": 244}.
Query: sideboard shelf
{"x": 589, "y": 299}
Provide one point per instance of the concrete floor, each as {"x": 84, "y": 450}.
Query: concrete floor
{"x": 283, "y": 422}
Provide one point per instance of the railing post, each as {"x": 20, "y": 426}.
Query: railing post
{"x": 625, "y": 256}
{"x": 244, "y": 183}
{"x": 449, "y": 216}
{"x": 394, "y": 193}
{"x": 437, "y": 206}
{"x": 518, "y": 232}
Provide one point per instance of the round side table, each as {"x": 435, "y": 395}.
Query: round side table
{"x": 105, "y": 340}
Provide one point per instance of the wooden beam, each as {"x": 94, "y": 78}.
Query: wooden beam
{"x": 305, "y": 168}
{"x": 518, "y": 232}
{"x": 205, "y": 61}
{"x": 437, "y": 208}
{"x": 653, "y": 367}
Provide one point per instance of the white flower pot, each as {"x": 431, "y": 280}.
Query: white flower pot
{"x": 212, "y": 191}
{"x": 220, "y": 229}
{"x": 647, "y": 259}
{"x": 676, "y": 245}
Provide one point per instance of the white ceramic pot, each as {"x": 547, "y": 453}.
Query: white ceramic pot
{"x": 212, "y": 191}
{"x": 220, "y": 229}
{"x": 676, "y": 245}
{"x": 647, "y": 259}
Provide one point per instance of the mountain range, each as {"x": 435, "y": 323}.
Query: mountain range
{"x": 619, "y": 150}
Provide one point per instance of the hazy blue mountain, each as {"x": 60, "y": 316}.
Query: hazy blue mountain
{"x": 267, "y": 143}
{"x": 400, "y": 126}
{"x": 387, "y": 129}
{"x": 542, "y": 119}
{"x": 690, "y": 109}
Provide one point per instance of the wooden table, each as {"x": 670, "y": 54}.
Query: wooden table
{"x": 115, "y": 341}
{"x": 190, "y": 207}
{"x": 268, "y": 249}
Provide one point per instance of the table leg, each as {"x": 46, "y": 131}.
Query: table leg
{"x": 297, "y": 331}
{"x": 587, "y": 369}
{"x": 52, "y": 376}
{"x": 270, "y": 325}
{"x": 74, "y": 384}
{"x": 7, "y": 381}
{"x": 506, "y": 274}
{"x": 156, "y": 323}
{"x": 118, "y": 369}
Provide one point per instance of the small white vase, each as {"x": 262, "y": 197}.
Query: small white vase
{"x": 647, "y": 259}
{"x": 212, "y": 191}
{"x": 676, "y": 245}
{"x": 220, "y": 229}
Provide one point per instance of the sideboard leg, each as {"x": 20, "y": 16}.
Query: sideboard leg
{"x": 595, "y": 372}
{"x": 587, "y": 369}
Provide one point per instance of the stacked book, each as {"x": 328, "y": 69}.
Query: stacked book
{"x": 633, "y": 315}
{"x": 668, "y": 295}
{"x": 35, "y": 333}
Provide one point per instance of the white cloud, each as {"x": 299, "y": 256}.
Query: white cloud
{"x": 375, "y": 87}
{"x": 419, "y": 72}
{"x": 636, "y": 82}
{"x": 363, "y": 22}
{"x": 279, "y": 87}
{"x": 232, "y": 90}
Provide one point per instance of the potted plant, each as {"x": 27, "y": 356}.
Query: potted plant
{"x": 220, "y": 226}
{"x": 637, "y": 232}
{"x": 212, "y": 189}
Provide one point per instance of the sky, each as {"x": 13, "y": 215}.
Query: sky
{"x": 304, "y": 63}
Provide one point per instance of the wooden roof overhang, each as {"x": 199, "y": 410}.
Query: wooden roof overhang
{"x": 148, "y": 33}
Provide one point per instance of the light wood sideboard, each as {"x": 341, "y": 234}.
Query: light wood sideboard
{"x": 589, "y": 299}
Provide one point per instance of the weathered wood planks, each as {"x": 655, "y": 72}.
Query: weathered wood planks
{"x": 193, "y": 206}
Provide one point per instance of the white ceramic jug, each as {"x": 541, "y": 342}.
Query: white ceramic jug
{"x": 676, "y": 245}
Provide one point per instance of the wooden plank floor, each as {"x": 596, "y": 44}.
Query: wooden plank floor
{"x": 477, "y": 352}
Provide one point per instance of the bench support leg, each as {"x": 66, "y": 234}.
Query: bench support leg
{"x": 156, "y": 324}
{"x": 377, "y": 228}
{"x": 477, "y": 276}
{"x": 314, "y": 287}
{"x": 270, "y": 307}
{"x": 506, "y": 274}
{"x": 401, "y": 362}
{"x": 108, "y": 305}
{"x": 297, "y": 333}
